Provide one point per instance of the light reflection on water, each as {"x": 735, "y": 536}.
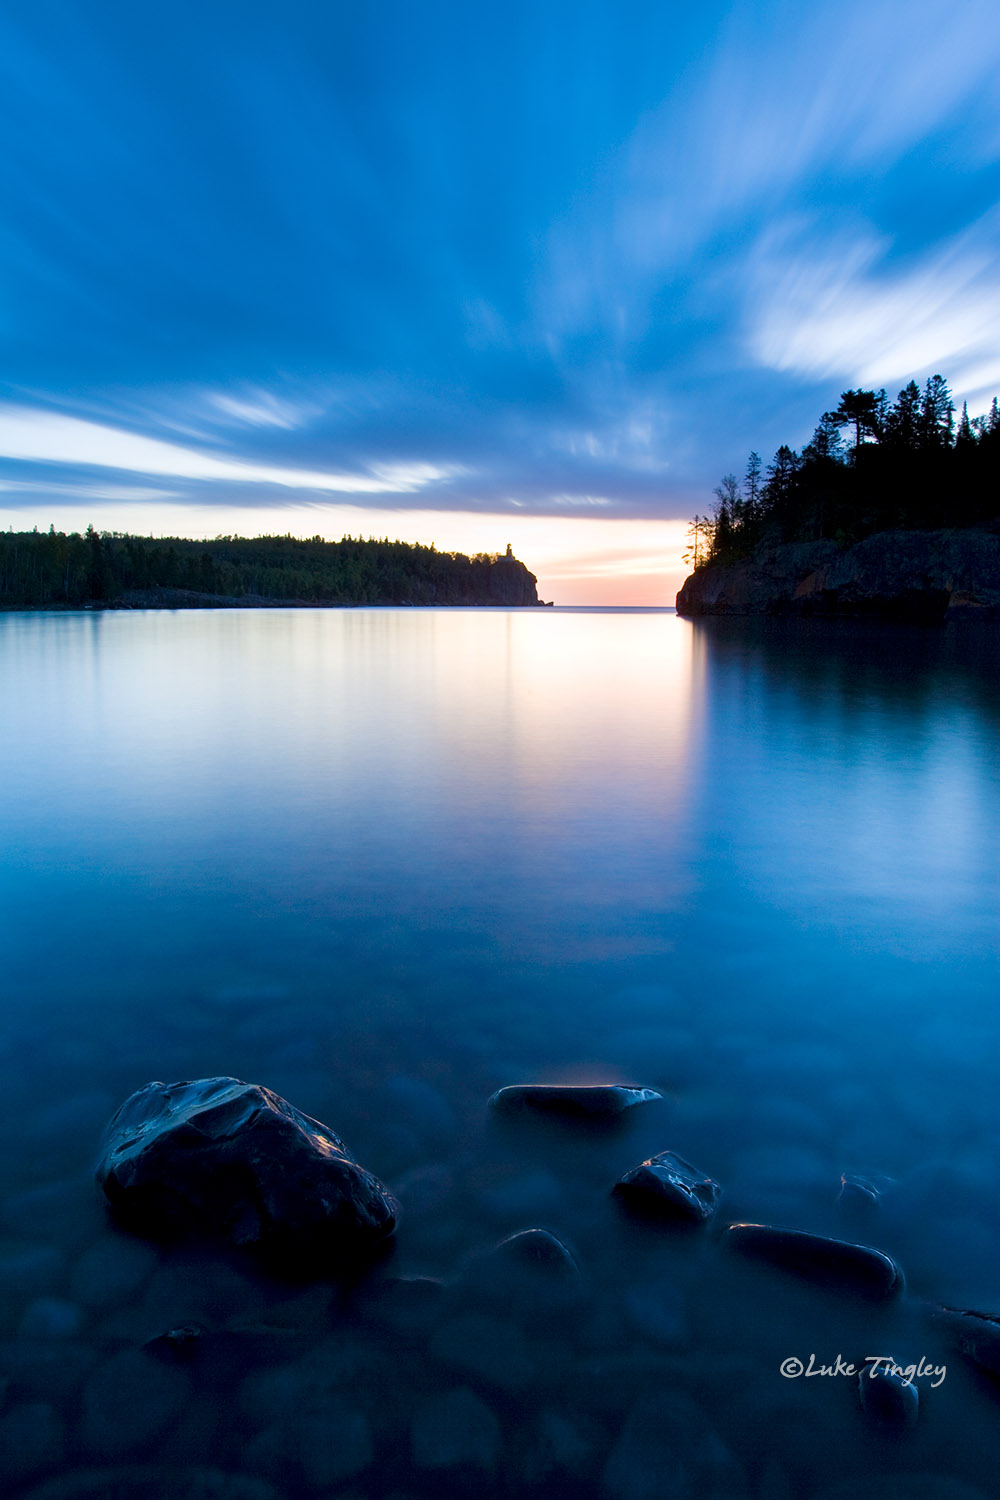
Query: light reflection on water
{"x": 385, "y": 861}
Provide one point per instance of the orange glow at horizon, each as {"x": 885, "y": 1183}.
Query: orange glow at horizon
{"x": 577, "y": 560}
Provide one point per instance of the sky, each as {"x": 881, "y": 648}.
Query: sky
{"x": 538, "y": 274}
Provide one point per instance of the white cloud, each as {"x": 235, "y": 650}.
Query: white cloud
{"x": 51, "y": 437}
{"x": 260, "y": 408}
{"x": 790, "y": 104}
{"x": 826, "y": 307}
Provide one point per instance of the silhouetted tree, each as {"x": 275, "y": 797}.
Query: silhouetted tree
{"x": 937, "y": 414}
{"x": 917, "y": 473}
{"x": 862, "y": 410}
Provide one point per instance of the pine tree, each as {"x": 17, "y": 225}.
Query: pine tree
{"x": 903, "y": 419}
{"x": 937, "y": 414}
{"x": 861, "y": 410}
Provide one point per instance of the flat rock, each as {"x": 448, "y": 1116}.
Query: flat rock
{"x": 599, "y": 1101}
{"x": 666, "y": 1186}
{"x": 230, "y": 1159}
{"x": 830, "y": 1262}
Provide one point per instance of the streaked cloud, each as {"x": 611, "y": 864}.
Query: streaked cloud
{"x": 561, "y": 261}
{"x": 260, "y": 408}
{"x": 830, "y": 308}
{"x": 50, "y": 437}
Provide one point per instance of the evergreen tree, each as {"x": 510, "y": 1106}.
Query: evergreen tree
{"x": 863, "y": 411}
{"x": 937, "y": 414}
{"x": 752, "y": 485}
{"x": 903, "y": 419}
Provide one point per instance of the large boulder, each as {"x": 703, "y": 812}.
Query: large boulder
{"x": 219, "y": 1157}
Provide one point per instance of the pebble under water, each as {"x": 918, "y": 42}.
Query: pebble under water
{"x": 387, "y": 863}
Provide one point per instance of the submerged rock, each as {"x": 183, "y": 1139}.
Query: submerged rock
{"x": 143, "y": 1481}
{"x": 232, "y": 1159}
{"x": 31, "y": 1440}
{"x": 531, "y": 1273}
{"x": 552, "y": 1450}
{"x": 887, "y": 1397}
{"x": 669, "y": 1187}
{"x": 668, "y": 1447}
{"x": 316, "y": 1447}
{"x": 488, "y": 1347}
{"x": 831, "y": 1262}
{"x": 50, "y": 1318}
{"x": 178, "y": 1343}
{"x": 455, "y": 1431}
{"x": 128, "y": 1402}
{"x": 535, "y": 1252}
{"x": 975, "y": 1334}
{"x": 598, "y": 1101}
{"x": 859, "y": 1194}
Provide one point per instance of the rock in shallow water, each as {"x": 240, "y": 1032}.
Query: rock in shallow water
{"x": 860, "y": 1194}
{"x": 888, "y": 1398}
{"x": 232, "y": 1159}
{"x": 531, "y": 1274}
{"x": 601, "y": 1101}
{"x": 974, "y": 1334}
{"x": 669, "y": 1187}
{"x": 830, "y": 1262}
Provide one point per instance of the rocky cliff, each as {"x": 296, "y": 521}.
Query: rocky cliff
{"x": 919, "y": 575}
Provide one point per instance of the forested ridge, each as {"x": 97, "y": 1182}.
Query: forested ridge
{"x": 40, "y": 569}
{"x": 872, "y": 465}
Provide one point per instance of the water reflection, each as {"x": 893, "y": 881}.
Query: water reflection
{"x": 388, "y": 861}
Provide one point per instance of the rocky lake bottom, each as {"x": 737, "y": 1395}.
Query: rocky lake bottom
{"x": 752, "y": 871}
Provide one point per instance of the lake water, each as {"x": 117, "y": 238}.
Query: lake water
{"x": 387, "y": 861}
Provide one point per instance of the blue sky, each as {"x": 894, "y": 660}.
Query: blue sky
{"x": 542, "y": 271}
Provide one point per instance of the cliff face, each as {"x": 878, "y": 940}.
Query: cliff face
{"x": 511, "y": 583}
{"x": 919, "y": 575}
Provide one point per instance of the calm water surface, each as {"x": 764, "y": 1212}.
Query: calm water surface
{"x": 386, "y": 861}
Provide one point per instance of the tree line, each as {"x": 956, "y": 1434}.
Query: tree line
{"x": 40, "y": 569}
{"x": 871, "y": 465}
